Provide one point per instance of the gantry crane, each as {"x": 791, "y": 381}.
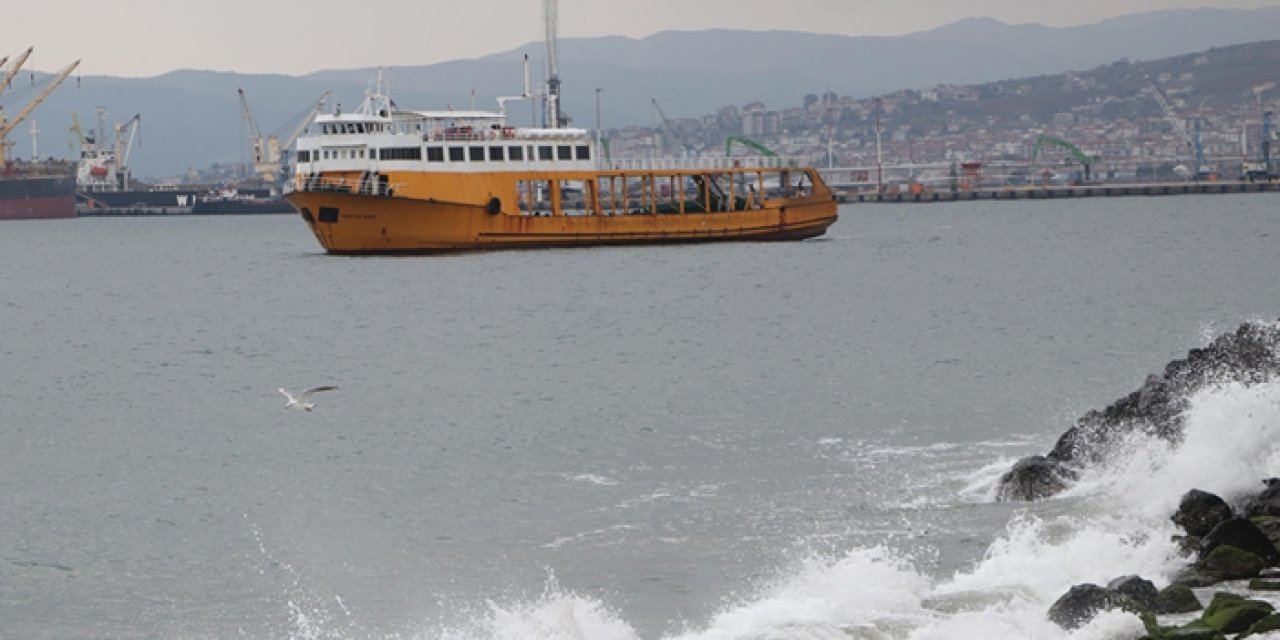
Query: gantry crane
{"x": 7, "y": 125}
{"x": 270, "y": 153}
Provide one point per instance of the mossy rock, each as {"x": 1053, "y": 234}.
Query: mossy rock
{"x": 1269, "y": 623}
{"x": 1261, "y": 584}
{"x": 1194, "y": 630}
{"x": 1229, "y": 563}
{"x": 1231, "y": 613}
{"x": 1177, "y": 598}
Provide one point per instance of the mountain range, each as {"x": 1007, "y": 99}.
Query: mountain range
{"x": 193, "y": 118}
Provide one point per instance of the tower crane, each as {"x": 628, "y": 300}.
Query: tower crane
{"x": 269, "y": 154}
{"x": 7, "y": 125}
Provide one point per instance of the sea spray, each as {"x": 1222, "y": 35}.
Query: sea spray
{"x": 864, "y": 593}
{"x": 1116, "y": 520}
{"x": 555, "y": 615}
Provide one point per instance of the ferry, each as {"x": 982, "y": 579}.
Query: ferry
{"x": 380, "y": 180}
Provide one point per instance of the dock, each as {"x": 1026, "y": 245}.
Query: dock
{"x": 1056, "y": 192}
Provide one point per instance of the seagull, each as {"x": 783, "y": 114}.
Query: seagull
{"x": 300, "y": 403}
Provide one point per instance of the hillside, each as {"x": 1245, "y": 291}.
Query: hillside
{"x": 192, "y": 118}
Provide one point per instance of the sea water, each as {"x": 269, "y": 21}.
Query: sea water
{"x": 713, "y": 442}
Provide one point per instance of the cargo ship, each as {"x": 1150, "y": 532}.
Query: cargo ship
{"x": 242, "y": 201}
{"x": 35, "y": 189}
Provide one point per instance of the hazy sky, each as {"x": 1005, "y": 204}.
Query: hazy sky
{"x": 150, "y": 37}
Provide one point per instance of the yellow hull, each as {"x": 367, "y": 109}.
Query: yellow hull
{"x": 349, "y": 222}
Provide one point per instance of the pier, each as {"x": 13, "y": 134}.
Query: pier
{"x": 1058, "y": 192}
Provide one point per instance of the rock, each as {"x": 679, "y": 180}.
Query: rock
{"x": 1230, "y": 613}
{"x": 1142, "y": 591}
{"x": 1226, "y": 562}
{"x": 1034, "y": 478}
{"x": 1156, "y": 409}
{"x": 1176, "y": 598}
{"x": 1269, "y": 526}
{"x": 1200, "y": 511}
{"x": 1194, "y": 630}
{"x": 1262, "y": 584}
{"x": 1241, "y": 534}
{"x": 1266, "y": 503}
{"x": 1083, "y": 601}
{"x": 1265, "y": 625}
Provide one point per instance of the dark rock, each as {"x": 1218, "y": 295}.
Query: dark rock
{"x": 1269, "y": 526}
{"x": 1176, "y": 598}
{"x": 1230, "y": 613}
{"x": 1084, "y": 601}
{"x": 1194, "y": 630}
{"x": 1156, "y": 409}
{"x": 1262, "y": 584}
{"x": 1034, "y": 478}
{"x": 1265, "y": 625}
{"x": 1195, "y": 577}
{"x": 1266, "y": 503}
{"x": 1200, "y": 511}
{"x": 1241, "y": 534}
{"x": 1141, "y": 590}
{"x": 1226, "y": 562}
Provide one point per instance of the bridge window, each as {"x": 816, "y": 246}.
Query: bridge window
{"x": 564, "y": 152}
{"x": 515, "y": 153}
{"x": 495, "y": 154}
{"x": 457, "y": 154}
{"x": 435, "y": 154}
{"x": 584, "y": 152}
{"x": 401, "y": 153}
{"x": 304, "y": 156}
{"x": 476, "y": 154}
{"x": 544, "y": 152}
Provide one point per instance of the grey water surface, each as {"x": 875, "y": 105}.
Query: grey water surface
{"x": 660, "y": 429}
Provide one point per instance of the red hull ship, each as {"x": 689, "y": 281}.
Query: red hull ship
{"x": 37, "y": 195}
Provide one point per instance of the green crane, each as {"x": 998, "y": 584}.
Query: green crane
{"x": 1080, "y": 156}
{"x": 746, "y": 142}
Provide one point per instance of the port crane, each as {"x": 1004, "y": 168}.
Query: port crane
{"x": 7, "y": 125}
{"x": 1180, "y": 127}
{"x": 13, "y": 69}
{"x": 668, "y": 132}
{"x": 556, "y": 117}
{"x": 1084, "y": 159}
{"x": 270, "y": 153}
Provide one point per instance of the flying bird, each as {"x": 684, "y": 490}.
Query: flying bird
{"x": 300, "y": 403}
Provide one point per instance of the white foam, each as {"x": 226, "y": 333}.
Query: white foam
{"x": 823, "y": 597}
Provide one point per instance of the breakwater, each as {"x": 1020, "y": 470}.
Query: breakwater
{"x": 1059, "y": 192}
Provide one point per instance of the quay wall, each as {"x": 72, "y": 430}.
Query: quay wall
{"x": 1059, "y": 192}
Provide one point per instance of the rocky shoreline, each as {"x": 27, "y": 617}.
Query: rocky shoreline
{"x": 1247, "y": 355}
{"x": 1223, "y": 540}
{"x": 1221, "y": 544}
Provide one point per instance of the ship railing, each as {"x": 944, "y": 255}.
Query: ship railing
{"x": 344, "y": 184}
{"x": 699, "y": 163}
